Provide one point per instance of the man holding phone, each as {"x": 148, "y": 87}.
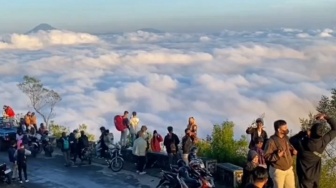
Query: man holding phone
{"x": 310, "y": 145}
{"x": 278, "y": 154}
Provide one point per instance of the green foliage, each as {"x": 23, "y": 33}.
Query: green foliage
{"x": 57, "y": 130}
{"x": 328, "y": 106}
{"x": 84, "y": 128}
{"x": 43, "y": 100}
{"x": 223, "y": 146}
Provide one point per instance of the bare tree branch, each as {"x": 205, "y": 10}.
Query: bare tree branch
{"x": 42, "y": 99}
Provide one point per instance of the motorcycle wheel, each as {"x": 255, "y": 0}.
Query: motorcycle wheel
{"x": 116, "y": 164}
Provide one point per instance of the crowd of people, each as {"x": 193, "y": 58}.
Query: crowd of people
{"x": 269, "y": 160}
{"x": 276, "y": 155}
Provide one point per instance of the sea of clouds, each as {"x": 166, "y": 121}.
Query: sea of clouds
{"x": 168, "y": 77}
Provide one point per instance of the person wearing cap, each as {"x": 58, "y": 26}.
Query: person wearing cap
{"x": 256, "y": 132}
{"x": 252, "y": 163}
{"x": 310, "y": 145}
{"x": 279, "y": 155}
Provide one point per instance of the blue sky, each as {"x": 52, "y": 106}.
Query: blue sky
{"x": 171, "y": 15}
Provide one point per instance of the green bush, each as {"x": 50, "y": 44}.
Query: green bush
{"x": 223, "y": 147}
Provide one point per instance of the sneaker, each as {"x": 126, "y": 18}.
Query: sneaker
{"x": 142, "y": 173}
{"x": 21, "y": 182}
{"x": 27, "y": 181}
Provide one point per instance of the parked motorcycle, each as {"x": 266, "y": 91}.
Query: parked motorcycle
{"x": 5, "y": 174}
{"x": 34, "y": 145}
{"x": 114, "y": 158}
{"x": 199, "y": 171}
{"x": 169, "y": 180}
{"x": 87, "y": 154}
{"x": 47, "y": 146}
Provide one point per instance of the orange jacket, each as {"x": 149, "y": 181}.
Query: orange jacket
{"x": 33, "y": 120}
{"x": 27, "y": 120}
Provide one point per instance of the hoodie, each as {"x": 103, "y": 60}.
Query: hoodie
{"x": 249, "y": 168}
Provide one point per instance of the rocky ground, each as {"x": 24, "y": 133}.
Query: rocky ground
{"x": 46, "y": 172}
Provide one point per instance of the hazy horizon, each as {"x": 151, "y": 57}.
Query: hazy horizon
{"x": 173, "y": 16}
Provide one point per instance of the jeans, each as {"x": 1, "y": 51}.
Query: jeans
{"x": 22, "y": 167}
{"x": 185, "y": 158}
{"x": 15, "y": 172}
{"x": 66, "y": 155}
{"x": 141, "y": 163}
{"x": 133, "y": 136}
{"x": 172, "y": 158}
{"x": 123, "y": 137}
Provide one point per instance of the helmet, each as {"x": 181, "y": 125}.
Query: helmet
{"x": 195, "y": 164}
{"x": 194, "y": 150}
{"x": 181, "y": 163}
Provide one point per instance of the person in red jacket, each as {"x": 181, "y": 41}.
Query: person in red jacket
{"x": 9, "y": 112}
{"x": 155, "y": 142}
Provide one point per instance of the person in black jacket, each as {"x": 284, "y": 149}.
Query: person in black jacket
{"x": 12, "y": 160}
{"x": 256, "y": 132}
{"x": 83, "y": 143}
{"x": 187, "y": 144}
{"x": 73, "y": 144}
{"x": 310, "y": 145}
{"x": 21, "y": 160}
{"x": 171, "y": 142}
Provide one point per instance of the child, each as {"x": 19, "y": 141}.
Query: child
{"x": 21, "y": 161}
{"x": 12, "y": 160}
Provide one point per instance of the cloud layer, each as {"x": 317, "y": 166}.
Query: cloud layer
{"x": 169, "y": 77}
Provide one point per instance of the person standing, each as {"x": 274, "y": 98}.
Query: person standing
{"x": 155, "y": 142}
{"x": 187, "y": 144}
{"x": 310, "y": 145}
{"x": 12, "y": 160}
{"x": 65, "y": 148}
{"x": 192, "y": 126}
{"x": 82, "y": 144}
{"x": 134, "y": 124}
{"x": 278, "y": 153}
{"x": 124, "y": 132}
{"x": 260, "y": 177}
{"x": 21, "y": 160}
{"x": 140, "y": 150}
{"x": 73, "y": 144}
{"x": 171, "y": 142}
{"x": 256, "y": 132}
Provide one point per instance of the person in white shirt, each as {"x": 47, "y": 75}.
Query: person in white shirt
{"x": 140, "y": 150}
{"x": 134, "y": 124}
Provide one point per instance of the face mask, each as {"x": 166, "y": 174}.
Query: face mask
{"x": 285, "y": 132}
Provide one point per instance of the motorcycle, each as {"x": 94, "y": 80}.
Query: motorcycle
{"x": 34, "y": 145}
{"x": 46, "y": 146}
{"x": 5, "y": 174}
{"x": 201, "y": 173}
{"x": 169, "y": 179}
{"x": 87, "y": 154}
{"x": 114, "y": 158}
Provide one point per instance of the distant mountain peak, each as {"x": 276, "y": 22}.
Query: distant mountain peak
{"x": 150, "y": 30}
{"x": 41, "y": 27}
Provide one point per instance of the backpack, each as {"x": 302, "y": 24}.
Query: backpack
{"x": 66, "y": 144}
{"x": 119, "y": 122}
